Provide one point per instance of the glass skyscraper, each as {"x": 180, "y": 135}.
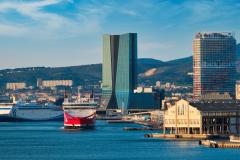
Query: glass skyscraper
{"x": 238, "y": 57}
{"x": 119, "y": 70}
{"x": 214, "y": 64}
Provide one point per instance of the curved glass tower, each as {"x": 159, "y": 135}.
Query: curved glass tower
{"x": 119, "y": 70}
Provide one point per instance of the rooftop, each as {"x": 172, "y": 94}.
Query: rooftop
{"x": 214, "y": 35}
{"x": 216, "y": 106}
{"x": 119, "y": 34}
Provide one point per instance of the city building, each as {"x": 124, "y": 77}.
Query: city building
{"x": 186, "y": 117}
{"x": 214, "y": 64}
{"x": 39, "y": 82}
{"x": 238, "y": 51}
{"x": 143, "y": 90}
{"x": 238, "y": 90}
{"x": 167, "y": 85}
{"x": 217, "y": 96}
{"x": 158, "y": 84}
{"x": 146, "y": 99}
{"x": 119, "y": 70}
{"x": 14, "y": 86}
{"x": 53, "y": 83}
{"x": 238, "y": 57}
{"x": 155, "y": 117}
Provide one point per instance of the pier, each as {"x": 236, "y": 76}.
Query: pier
{"x": 219, "y": 144}
{"x": 140, "y": 129}
{"x": 177, "y": 136}
{"x": 120, "y": 121}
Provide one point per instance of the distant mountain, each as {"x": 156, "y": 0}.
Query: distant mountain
{"x": 145, "y": 64}
{"x": 181, "y": 60}
{"x": 175, "y": 71}
{"x": 79, "y": 74}
{"x": 150, "y": 71}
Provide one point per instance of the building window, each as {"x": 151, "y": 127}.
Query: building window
{"x": 180, "y": 109}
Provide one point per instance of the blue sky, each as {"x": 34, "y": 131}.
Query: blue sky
{"x": 69, "y": 32}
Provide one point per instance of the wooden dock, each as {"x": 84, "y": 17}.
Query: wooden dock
{"x": 219, "y": 144}
{"x": 177, "y": 136}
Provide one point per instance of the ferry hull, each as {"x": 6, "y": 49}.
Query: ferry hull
{"x": 74, "y": 122}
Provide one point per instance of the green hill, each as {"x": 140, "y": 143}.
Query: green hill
{"x": 170, "y": 71}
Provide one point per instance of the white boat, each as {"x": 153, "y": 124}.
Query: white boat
{"x": 5, "y": 110}
{"x": 36, "y": 112}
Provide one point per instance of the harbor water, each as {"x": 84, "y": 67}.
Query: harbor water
{"x": 48, "y": 140}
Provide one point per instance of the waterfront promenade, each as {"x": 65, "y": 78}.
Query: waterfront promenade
{"x": 48, "y": 140}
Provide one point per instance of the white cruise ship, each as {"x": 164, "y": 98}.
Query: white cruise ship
{"x": 5, "y": 108}
{"x": 22, "y": 111}
{"x": 36, "y": 112}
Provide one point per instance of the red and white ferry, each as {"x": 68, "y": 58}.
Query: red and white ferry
{"x": 79, "y": 114}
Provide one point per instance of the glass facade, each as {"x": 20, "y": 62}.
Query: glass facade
{"x": 107, "y": 71}
{"x": 146, "y": 101}
{"x": 214, "y": 64}
{"x": 119, "y": 70}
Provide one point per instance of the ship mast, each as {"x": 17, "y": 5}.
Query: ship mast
{"x": 92, "y": 96}
{"x": 65, "y": 96}
{"x": 79, "y": 94}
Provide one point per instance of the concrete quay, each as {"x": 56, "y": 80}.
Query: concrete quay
{"x": 108, "y": 118}
{"x": 219, "y": 144}
{"x": 120, "y": 121}
{"x": 148, "y": 124}
{"x": 140, "y": 129}
{"x": 177, "y": 136}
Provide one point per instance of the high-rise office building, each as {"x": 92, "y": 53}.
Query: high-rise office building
{"x": 214, "y": 64}
{"x": 238, "y": 57}
{"x": 238, "y": 49}
{"x": 119, "y": 70}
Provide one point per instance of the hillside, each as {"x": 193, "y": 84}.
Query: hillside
{"x": 170, "y": 71}
{"x": 79, "y": 74}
